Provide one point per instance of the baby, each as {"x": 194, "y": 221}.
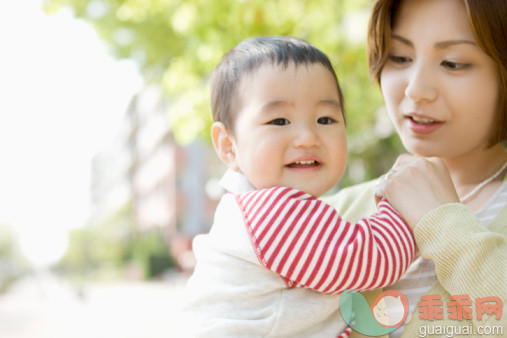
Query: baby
{"x": 276, "y": 258}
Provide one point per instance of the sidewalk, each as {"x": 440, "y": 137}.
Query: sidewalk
{"x": 47, "y": 307}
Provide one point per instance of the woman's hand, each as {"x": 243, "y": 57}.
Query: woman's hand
{"x": 416, "y": 185}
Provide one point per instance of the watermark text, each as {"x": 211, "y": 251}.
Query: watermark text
{"x": 456, "y": 330}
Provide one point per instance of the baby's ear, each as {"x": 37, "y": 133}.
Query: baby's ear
{"x": 223, "y": 142}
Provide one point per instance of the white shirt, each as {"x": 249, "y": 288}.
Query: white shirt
{"x": 231, "y": 294}
{"x": 235, "y": 290}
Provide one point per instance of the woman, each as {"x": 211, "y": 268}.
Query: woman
{"x": 441, "y": 66}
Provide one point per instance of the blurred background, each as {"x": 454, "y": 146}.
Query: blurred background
{"x": 107, "y": 170}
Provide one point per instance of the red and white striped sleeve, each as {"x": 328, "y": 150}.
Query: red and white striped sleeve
{"x": 308, "y": 244}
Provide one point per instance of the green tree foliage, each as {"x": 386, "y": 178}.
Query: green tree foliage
{"x": 104, "y": 248}
{"x": 100, "y": 246}
{"x": 178, "y": 42}
{"x": 13, "y": 264}
{"x": 150, "y": 250}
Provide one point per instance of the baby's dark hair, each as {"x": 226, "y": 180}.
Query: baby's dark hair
{"x": 250, "y": 55}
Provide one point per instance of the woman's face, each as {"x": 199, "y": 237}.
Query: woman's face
{"x": 439, "y": 86}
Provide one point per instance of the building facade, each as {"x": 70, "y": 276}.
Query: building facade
{"x": 165, "y": 186}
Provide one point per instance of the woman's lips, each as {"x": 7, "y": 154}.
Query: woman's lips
{"x": 422, "y": 128}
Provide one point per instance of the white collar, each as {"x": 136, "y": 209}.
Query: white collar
{"x": 235, "y": 182}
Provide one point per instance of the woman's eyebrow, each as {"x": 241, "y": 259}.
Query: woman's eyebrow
{"x": 438, "y": 45}
{"x": 402, "y": 40}
{"x": 449, "y": 43}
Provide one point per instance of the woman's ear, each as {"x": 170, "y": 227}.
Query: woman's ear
{"x": 223, "y": 142}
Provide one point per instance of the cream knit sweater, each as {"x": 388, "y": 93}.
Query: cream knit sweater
{"x": 469, "y": 259}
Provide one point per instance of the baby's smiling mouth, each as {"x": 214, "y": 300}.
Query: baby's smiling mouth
{"x": 304, "y": 164}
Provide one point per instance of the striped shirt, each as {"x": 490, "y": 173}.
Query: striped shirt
{"x": 308, "y": 244}
{"x": 421, "y": 276}
{"x": 233, "y": 292}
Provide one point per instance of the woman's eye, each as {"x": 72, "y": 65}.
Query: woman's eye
{"x": 326, "y": 120}
{"x": 399, "y": 59}
{"x": 279, "y": 122}
{"x": 455, "y": 65}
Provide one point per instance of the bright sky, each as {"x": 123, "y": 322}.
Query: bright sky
{"x": 62, "y": 99}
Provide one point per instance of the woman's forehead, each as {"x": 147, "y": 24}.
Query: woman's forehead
{"x": 445, "y": 19}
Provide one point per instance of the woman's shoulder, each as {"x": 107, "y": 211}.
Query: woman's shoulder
{"x": 354, "y": 202}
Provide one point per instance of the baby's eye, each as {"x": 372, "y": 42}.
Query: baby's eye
{"x": 326, "y": 120}
{"x": 455, "y": 65}
{"x": 399, "y": 59}
{"x": 279, "y": 122}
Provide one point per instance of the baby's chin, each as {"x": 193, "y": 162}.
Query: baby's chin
{"x": 307, "y": 186}
{"x": 317, "y": 186}
{"x": 312, "y": 190}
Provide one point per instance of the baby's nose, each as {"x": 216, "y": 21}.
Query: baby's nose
{"x": 306, "y": 137}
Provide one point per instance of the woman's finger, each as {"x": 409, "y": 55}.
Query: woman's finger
{"x": 379, "y": 189}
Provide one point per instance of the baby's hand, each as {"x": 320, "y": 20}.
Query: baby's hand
{"x": 416, "y": 185}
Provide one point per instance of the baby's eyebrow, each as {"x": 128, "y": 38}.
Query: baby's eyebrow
{"x": 270, "y": 105}
{"x": 331, "y": 102}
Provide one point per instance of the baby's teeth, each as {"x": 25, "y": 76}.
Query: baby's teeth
{"x": 305, "y": 162}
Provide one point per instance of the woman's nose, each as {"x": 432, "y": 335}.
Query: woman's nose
{"x": 306, "y": 136}
{"x": 420, "y": 84}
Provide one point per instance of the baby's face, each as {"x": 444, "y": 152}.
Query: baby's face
{"x": 290, "y": 130}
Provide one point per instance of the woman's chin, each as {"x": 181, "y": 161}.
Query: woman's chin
{"x": 424, "y": 150}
